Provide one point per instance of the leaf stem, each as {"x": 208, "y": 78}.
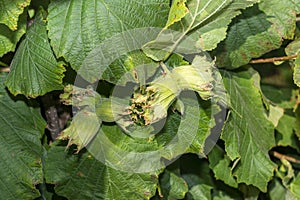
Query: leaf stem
{"x": 282, "y": 156}
{"x": 270, "y": 60}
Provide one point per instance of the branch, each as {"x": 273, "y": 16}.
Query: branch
{"x": 6, "y": 69}
{"x": 271, "y": 60}
{"x": 282, "y": 156}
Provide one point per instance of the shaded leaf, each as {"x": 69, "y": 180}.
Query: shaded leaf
{"x": 221, "y": 195}
{"x": 10, "y": 11}
{"x": 172, "y": 186}
{"x": 257, "y": 31}
{"x": 283, "y": 97}
{"x": 21, "y": 151}
{"x": 220, "y": 164}
{"x": 34, "y": 70}
{"x": 277, "y": 191}
{"x": 248, "y": 134}
{"x": 199, "y": 188}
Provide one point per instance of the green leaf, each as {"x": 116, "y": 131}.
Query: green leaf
{"x": 34, "y": 70}
{"x": 248, "y": 134}
{"x": 177, "y": 12}
{"x": 213, "y": 30}
{"x": 205, "y": 22}
{"x": 297, "y": 71}
{"x": 199, "y": 188}
{"x": 293, "y": 48}
{"x": 295, "y": 187}
{"x": 282, "y": 97}
{"x": 129, "y": 68}
{"x": 173, "y": 187}
{"x": 83, "y": 177}
{"x": 204, "y": 129}
{"x": 83, "y": 128}
{"x": 78, "y": 26}
{"x": 286, "y": 135}
{"x": 9, "y": 38}
{"x": 257, "y": 31}
{"x": 21, "y": 131}
{"x": 10, "y": 11}
{"x": 220, "y": 164}
{"x": 227, "y": 195}
{"x": 275, "y": 114}
{"x": 276, "y": 190}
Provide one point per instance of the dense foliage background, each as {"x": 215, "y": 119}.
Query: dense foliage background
{"x": 254, "y": 43}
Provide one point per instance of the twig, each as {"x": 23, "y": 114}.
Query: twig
{"x": 297, "y": 19}
{"x": 270, "y": 60}
{"x": 6, "y": 69}
{"x": 282, "y": 156}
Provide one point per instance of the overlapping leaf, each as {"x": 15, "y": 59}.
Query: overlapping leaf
{"x": 84, "y": 177}
{"x": 9, "y": 38}
{"x": 248, "y": 134}
{"x": 286, "y": 135}
{"x": 199, "y": 187}
{"x": 293, "y": 49}
{"x": 297, "y": 71}
{"x": 10, "y": 11}
{"x": 257, "y": 31}
{"x": 173, "y": 186}
{"x": 34, "y": 69}
{"x": 295, "y": 187}
{"x": 20, "y": 142}
{"x": 76, "y": 27}
{"x": 220, "y": 164}
{"x": 205, "y": 22}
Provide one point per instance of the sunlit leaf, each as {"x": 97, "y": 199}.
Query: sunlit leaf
{"x": 10, "y": 11}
